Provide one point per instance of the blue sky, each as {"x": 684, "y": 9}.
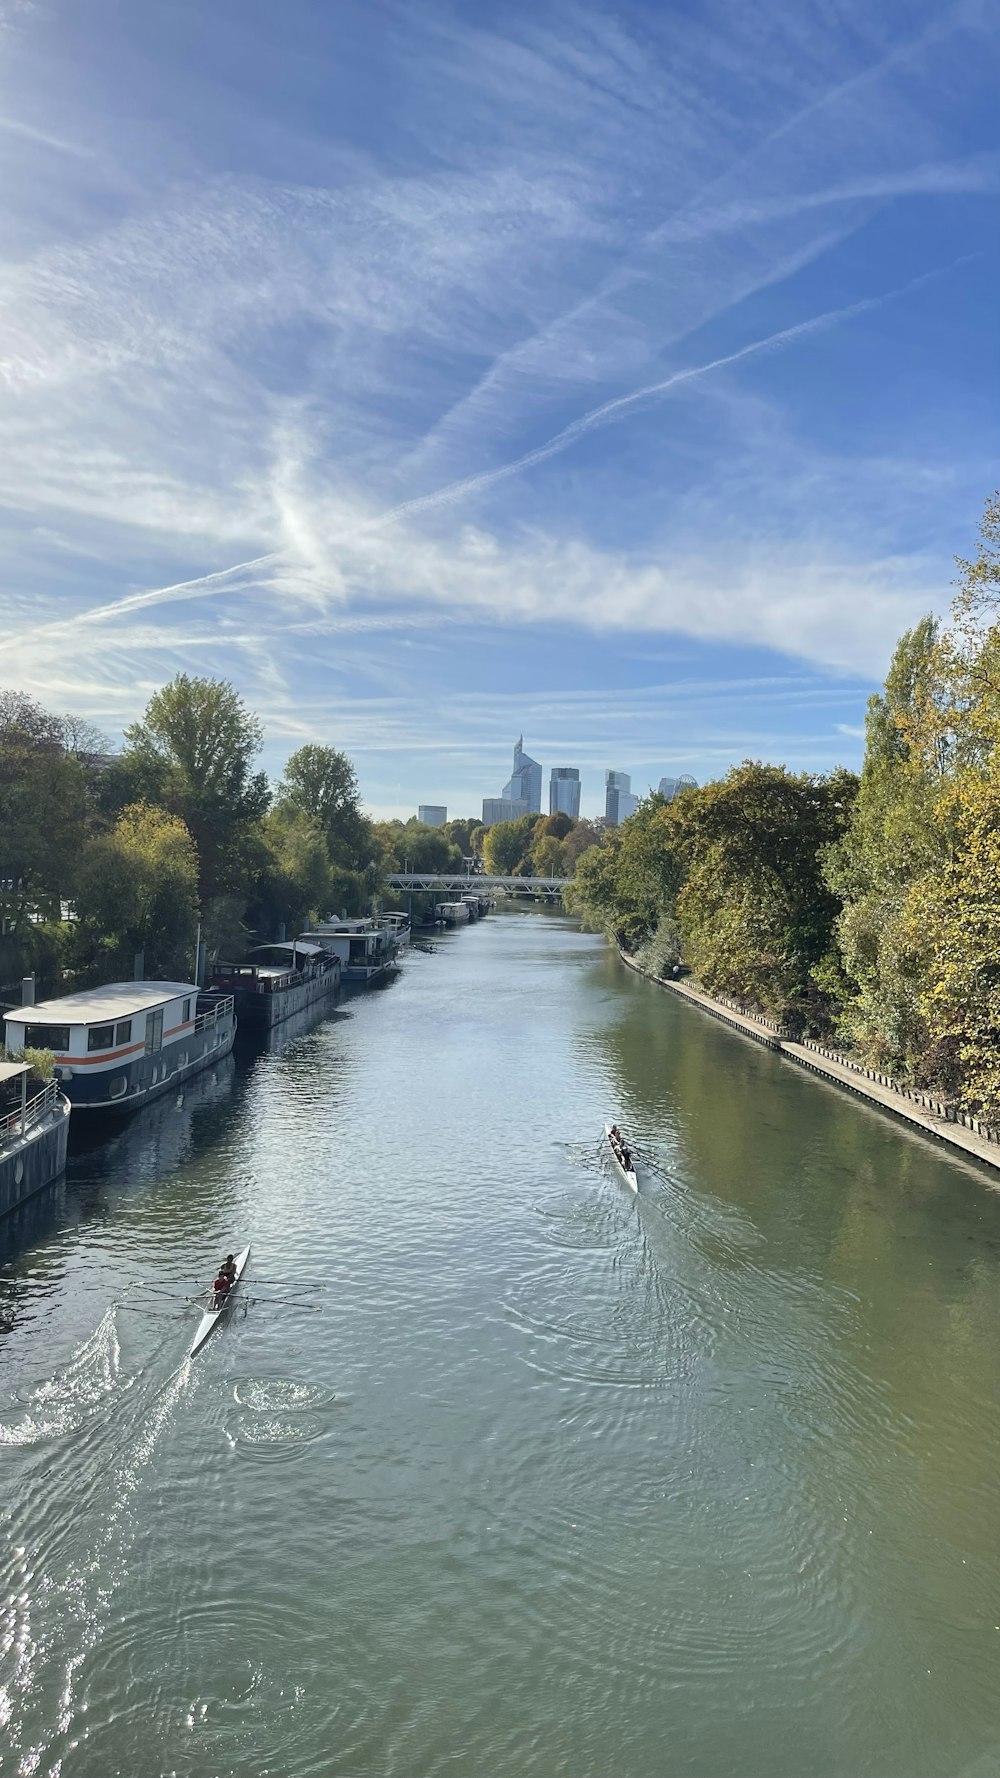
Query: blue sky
{"x": 622, "y": 375}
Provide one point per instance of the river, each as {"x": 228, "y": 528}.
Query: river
{"x": 547, "y": 1480}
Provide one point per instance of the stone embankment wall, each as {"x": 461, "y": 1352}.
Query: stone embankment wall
{"x": 928, "y": 1113}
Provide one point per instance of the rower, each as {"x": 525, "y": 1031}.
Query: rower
{"x": 222, "y": 1286}
{"x": 229, "y": 1267}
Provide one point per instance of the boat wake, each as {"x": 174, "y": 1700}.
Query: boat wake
{"x": 60, "y": 1405}
{"x": 60, "y": 1573}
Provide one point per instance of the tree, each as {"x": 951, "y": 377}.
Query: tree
{"x": 464, "y": 833}
{"x": 323, "y": 782}
{"x": 43, "y": 813}
{"x": 293, "y": 881}
{"x": 193, "y": 754}
{"x": 754, "y": 910}
{"x": 893, "y": 841}
{"x": 548, "y": 857}
{"x": 415, "y": 846}
{"x": 584, "y": 834}
{"x": 137, "y": 890}
{"x": 506, "y": 844}
{"x": 558, "y": 825}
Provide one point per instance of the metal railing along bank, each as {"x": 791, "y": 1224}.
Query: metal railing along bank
{"x": 16, "y": 1123}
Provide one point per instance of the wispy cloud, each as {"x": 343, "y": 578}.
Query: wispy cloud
{"x": 288, "y": 393}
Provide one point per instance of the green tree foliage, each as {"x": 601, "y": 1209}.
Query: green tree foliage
{"x": 579, "y": 840}
{"x": 548, "y": 856}
{"x": 466, "y": 833}
{"x": 506, "y": 846}
{"x": 193, "y": 754}
{"x": 293, "y": 880}
{"x": 43, "y": 813}
{"x": 557, "y": 826}
{"x": 893, "y": 841}
{"x": 412, "y": 845}
{"x": 729, "y": 875}
{"x": 755, "y": 913}
{"x": 137, "y": 890}
{"x": 321, "y": 782}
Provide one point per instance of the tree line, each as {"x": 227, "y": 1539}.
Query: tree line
{"x": 863, "y": 908}
{"x": 179, "y": 827}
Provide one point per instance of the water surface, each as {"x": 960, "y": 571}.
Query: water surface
{"x": 547, "y": 1479}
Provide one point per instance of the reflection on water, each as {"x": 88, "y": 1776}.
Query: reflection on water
{"x": 547, "y": 1478}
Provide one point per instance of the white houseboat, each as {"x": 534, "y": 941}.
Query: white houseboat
{"x": 398, "y": 927}
{"x": 453, "y": 913}
{"x": 124, "y": 1043}
{"x": 365, "y": 948}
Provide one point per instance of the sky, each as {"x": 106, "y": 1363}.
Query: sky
{"x": 625, "y": 376}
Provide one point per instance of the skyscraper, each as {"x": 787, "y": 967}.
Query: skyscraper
{"x": 619, "y": 803}
{"x": 564, "y": 792}
{"x": 671, "y": 787}
{"x": 525, "y": 782}
{"x": 432, "y": 814}
{"x": 503, "y": 808}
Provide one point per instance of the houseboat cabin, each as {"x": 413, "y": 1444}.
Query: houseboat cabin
{"x": 366, "y": 949}
{"x": 125, "y": 1042}
{"x": 274, "y": 982}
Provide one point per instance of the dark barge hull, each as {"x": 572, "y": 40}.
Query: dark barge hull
{"x": 36, "y": 1161}
{"x": 257, "y": 1012}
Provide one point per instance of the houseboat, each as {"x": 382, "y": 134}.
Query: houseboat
{"x": 453, "y": 913}
{"x": 397, "y": 926}
{"x": 122, "y": 1044}
{"x": 34, "y": 1131}
{"x": 365, "y": 949}
{"x": 274, "y": 982}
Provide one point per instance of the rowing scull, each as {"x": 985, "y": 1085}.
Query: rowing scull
{"x": 211, "y": 1316}
{"x": 627, "y": 1173}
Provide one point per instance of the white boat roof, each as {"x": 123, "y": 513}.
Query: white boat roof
{"x": 285, "y": 947}
{"x": 115, "y": 1000}
{"x": 12, "y": 1070}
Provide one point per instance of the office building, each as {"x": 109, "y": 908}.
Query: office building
{"x": 671, "y": 787}
{"x": 525, "y": 782}
{"x": 564, "y": 792}
{"x": 619, "y": 803}
{"x": 503, "y": 808}
{"x": 432, "y": 814}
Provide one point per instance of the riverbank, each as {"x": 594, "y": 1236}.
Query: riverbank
{"x": 921, "y": 1110}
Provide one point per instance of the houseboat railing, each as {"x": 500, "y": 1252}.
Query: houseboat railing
{"x": 220, "y": 1009}
{"x": 13, "y": 1124}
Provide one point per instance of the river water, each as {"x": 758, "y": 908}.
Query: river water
{"x": 547, "y": 1479}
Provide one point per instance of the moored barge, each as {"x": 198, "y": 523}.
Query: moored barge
{"x": 274, "y": 982}
{"x": 122, "y": 1044}
{"x": 367, "y": 950}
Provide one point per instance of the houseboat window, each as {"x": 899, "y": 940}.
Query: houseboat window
{"x": 186, "y": 1014}
{"x": 123, "y": 1031}
{"x": 46, "y": 1037}
{"x": 118, "y": 1086}
{"x": 101, "y": 1037}
{"x": 154, "y": 1031}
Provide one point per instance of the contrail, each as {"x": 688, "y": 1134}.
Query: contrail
{"x": 612, "y": 410}
{"x": 207, "y": 583}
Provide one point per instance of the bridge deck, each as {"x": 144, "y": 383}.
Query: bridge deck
{"x": 466, "y": 885}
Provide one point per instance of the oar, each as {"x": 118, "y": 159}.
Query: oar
{"x": 306, "y": 1283}
{"x": 284, "y": 1302}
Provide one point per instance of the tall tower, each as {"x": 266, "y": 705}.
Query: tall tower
{"x": 564, "y": 792}
{"x": 525, "y": 782}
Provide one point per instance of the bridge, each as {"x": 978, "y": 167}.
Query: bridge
{"x": 461, "y": 883}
